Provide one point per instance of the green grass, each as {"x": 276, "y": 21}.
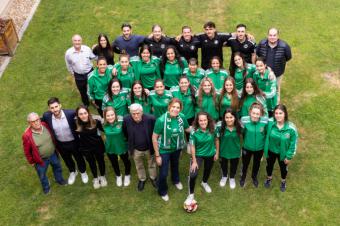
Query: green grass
{"x": 38, "y": 71}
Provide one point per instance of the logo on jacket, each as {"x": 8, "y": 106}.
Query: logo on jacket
{"x": 192, "y": 47}
{"x": 162, "y": 46}
{"x": 216, "y": 42}
{"x": 245, "y": 46}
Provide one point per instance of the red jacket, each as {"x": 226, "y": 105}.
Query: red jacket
{"x": 30, "y": 149}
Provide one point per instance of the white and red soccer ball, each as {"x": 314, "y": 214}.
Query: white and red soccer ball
{"x": 192, "y": 207}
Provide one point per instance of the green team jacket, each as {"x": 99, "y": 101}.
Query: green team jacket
{"x": 249, "y": 100}
{"x": 281, "y": 141}
{"x": 230, "y": 142}
{"x": 119, "y": 102}
{"x": 188, "y": 105}
{"x": 146, "y": 72}
{"x": 159, "y": 104}
{"x": 208, "y": 106}
{"x": 217, "y": 77}
{"x": 239, "y": 80}
{"x": 195, "y": 80}
{"x": 254, "y": 133}
{"x": 115, "y": 141}
{"x": 268, "y": 85}
{"x": 97, "y": 84}
{"x": 172, "y": 72}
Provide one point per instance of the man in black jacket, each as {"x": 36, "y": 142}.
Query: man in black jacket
{"x": 276, "y": 52}
{"x": 138, "y": 129}
{"x": 62, "y": 124}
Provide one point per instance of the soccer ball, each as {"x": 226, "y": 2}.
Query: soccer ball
{"x": 190, "y": 208}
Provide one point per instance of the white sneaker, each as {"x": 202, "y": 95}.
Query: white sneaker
{"x": 189, "y": 199}
{"x": 119, "y": 181}
{"x": 223, "y": 181}
{"x": 103, "y": 181}
{"x": 96, "y": 184}
{"x": 72, "y": 177}
{"x": 84, "y": 177}
{"x": 232, "y": 183}
{"x": 165, "y": 197}
{"x": 179, "y": 186}
{"x": 206, "y": 187}
{"x": 127, "y": 180}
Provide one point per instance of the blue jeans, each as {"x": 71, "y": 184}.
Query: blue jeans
{"x": 41, "y": 170}
{"x": 171, "y": 158}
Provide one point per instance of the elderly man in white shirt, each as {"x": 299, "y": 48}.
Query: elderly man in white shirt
{"x": 78, "y": 62}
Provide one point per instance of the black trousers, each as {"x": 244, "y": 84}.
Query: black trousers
{"x": 246, "y": 156}
{"x": 208, "y": 164}
{"x": 68, "y": 150}
{"x": 270, "y": 165}
{"x": 94, "y": 157}
{"x": 115, "y": 165}
{"x": 99, "y": 103}
{"x": 233, "y": 167}
{"x": 82, "y": 87}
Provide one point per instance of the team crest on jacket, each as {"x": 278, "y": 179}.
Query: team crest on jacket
{"x": 122, "y": 98}
{"x": 245, "y": 46}
{"x": 192, "y": 47}
{"x": 181, "y": 45}
{"x": 162, "y": 46}
{"x": 287, "y": 135}
{"x": 216, "y": 42}
{"x": 261, "y": 129}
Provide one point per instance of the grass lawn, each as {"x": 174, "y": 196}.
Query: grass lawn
{"x": 38, "y": 71}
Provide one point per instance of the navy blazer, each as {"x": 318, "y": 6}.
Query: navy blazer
{"x": 128, "y": 128}
{"x": 70, "y": 116}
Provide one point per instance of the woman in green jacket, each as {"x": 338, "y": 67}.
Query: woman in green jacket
{"x": 207, "y": 98}
{"x": 242, "y": 71}
{"x": 115, "y": 145}
{"x": 281, "y": 144}
{"x": 159, "y": 99}
{"x": 186, "y": 93}
{"x": 251, "y": 94}
{"x": 204, "y": 146}
{"x": 228, "y": 97}
{"x": 146, "y": 67}
{"x": 194, "y": 74}
{"x": 216, "y": 73}
{"x": 117, "y": 97}
{"x": 124, "y": 71}
{"x": 229, "y": 133}
{"x": 172, "y": 67}
{"x": 254, "y": 134}
{"x": 140, "y": 96}
{"x": 266, "y": 81}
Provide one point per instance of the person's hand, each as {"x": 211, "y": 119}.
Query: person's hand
{"x": 194, "y": 166}
{"x": 216, "y": 157}
{"x": 94, "y": 104}
{"x": 147, "y": 92}
{"x": 178, "y": 38}
{"x": 158, "y": 160}
{"x": 94, "y": 46}
{"x": 114, "y": 72}
{"x": 251, "y": 37}
{"x": 286, "y": 161}
{"x": 150, "y": 36}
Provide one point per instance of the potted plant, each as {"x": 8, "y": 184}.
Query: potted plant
{"x": 8, "y": 37}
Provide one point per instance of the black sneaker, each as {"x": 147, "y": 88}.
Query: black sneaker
{"x": 140, "y": 186}
{"x": 255, "y": 182}
{"x": 283, "y": 186}
{"x": 63, "y": 182}
{"x": 242, "y": 182}
{"x": 267, "y": 183}
{"x": 46, "y": 191}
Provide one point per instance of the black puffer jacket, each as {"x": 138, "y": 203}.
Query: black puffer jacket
{"x": 282, "y": 55}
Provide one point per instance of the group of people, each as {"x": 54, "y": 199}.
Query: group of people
{"x": 156, "y": 102}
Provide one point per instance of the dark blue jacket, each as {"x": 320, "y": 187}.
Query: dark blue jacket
{"x": 282, "y": 55}
{"x": 130, "y": 46}
{"x": 128, "y": 128}
{"x": 70, "y": 116}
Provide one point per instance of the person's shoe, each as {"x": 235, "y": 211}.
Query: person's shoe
{"x": 189, "y": 199}
{"x": 119, "y": 181}
{"x": 267, "y": 183}
{"x": 84, "y": 177}
{"x": 179, "y": 186}
{"x": 63, "y": 182}
{"x": 141, "y": 185}
{"x": 283, "y": 186}
{"x": 232, "y": 183}
{"x": 102, "y": 181}
{"x": 96, "y": 183}
{"x": 127, "y": 180}
{"x": 154, "y": 183}
{"x": 46, "y": 191}
{"x": 165, "y": 197}
{"x": 242, "y": 182}
{"x": 255, "y": 182}
{"x": 72, "y": 177}
{"x": 206, "y": 187}
{"x": 223, "y": 181}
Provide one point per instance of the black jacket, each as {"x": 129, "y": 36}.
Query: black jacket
{"x": 128, "y": 128}
{"x": 70, "y": 116}
{"x": 282, "y": 55}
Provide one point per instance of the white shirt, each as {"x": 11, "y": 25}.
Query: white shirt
{"x": 79, "y": 62}
{"x": 61, "y": 128}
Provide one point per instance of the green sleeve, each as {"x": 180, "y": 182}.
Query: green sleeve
{"x": 158, "y": 126}
{"x": 90, "y": 87}
{"x": 272, "y": 83}
{"x": 192, "y": 140}
{"x": 266, "y": 144}
{"x": 293, "y": 143}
